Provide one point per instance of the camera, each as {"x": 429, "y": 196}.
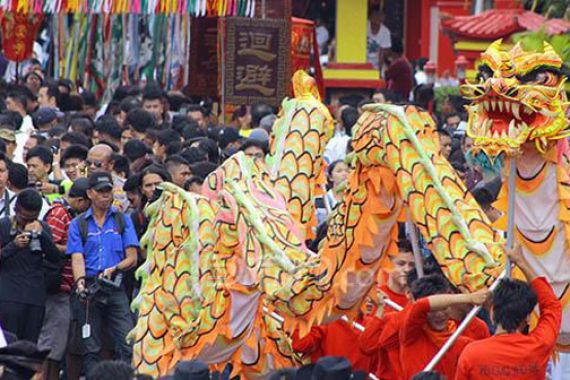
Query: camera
{"x": 35, "y": 244}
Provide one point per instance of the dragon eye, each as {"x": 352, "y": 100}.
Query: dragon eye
{"x": 484, "y": 73}
{"x": 541, "y": 76}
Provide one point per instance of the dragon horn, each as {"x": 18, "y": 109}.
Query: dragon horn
{"x": 496, "y": 45}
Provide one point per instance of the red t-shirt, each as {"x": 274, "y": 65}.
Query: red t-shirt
{"x": 516, "y": 356}
{"x": 399, "y": 298}
{"x": 417, "y": 348}
{"x": 59, "y": 219}
{"x": 335, "y": 339}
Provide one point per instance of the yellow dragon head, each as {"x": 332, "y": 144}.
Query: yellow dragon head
{"x": 519, "y": 99}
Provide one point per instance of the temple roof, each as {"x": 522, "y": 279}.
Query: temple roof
{"x": 497, "y": 23}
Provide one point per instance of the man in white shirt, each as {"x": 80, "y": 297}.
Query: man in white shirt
{"x": 378, "y": 38}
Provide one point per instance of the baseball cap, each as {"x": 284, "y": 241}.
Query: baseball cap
{"x": 259, "y": 134}
{"x": 44, "y": 115}
{"x": 79, "y": 188}
{"x": 226, "y": 136}
{"x": 7, "y": 134}
{"x": 100, "y": 181}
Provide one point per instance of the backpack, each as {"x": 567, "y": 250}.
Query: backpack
{"x": 84, "y": 226}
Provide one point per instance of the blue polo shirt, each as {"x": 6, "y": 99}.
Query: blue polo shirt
{"x": 105, "y": 246}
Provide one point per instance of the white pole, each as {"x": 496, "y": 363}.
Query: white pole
{"x": 415, "y": 245}
{"x": 511, "y": 211}
{"x": 460, "y": 328}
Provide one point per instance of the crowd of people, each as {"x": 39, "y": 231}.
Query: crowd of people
{"x": 76, "y": 176}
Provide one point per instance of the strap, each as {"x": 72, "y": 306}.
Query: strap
{"x": 7, "y": 203}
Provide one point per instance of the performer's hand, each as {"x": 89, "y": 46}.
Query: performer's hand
{"x": 516, "y": 256}
{"x": 480, "y": 297}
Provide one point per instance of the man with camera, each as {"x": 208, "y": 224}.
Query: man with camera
{"x": 102, "y": 243}
{"x": 25, "y": 244}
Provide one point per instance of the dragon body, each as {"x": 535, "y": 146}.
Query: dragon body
{"x": 228, "y": 276}
{"x": 518, "y": 111}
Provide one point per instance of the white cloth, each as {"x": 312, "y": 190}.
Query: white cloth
{"x": 336, "y": 148}
{"x": 375, "y": 42}
{"x": 6, "y": 209}
{"x": 420, "y": 78}
{"x": 561, "y": 370}
{"x": 322, "y": 37}
{"x": 25, "y": 131}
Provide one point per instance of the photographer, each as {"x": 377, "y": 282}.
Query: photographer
{"x": 102, "y": 243}
{"x": 25, "y": 243}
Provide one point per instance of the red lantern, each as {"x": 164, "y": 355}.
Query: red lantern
{"x": 19, "y": 31}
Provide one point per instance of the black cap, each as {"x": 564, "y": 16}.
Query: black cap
{"x": 226, "y": 136}
{"x": 79, "y": 188}
{"x": 332, "y": 368}
{"x": 192, "y": 370}
{"x": 100, "y": 181}
{"x": 44, "y": 115}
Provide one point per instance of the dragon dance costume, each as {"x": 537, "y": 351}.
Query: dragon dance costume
{"x": 228, "y": 276}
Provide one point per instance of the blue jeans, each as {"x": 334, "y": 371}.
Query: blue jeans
{"x": 108, "y": 308}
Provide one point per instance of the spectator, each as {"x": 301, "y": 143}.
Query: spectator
{"x": 99, "y": 159}
{"x": 7, "y": 197}
{"x": 44, "y": 120}
{"x": 337, "y": 146}
{"x": 399, "y": 73}
{"x": 444, "y": 143}
{"x": 48, "y": 95}
{"x": 150, "y": 179}
{"x": 139, "y": 122}
{"x": 17, "y": 178}
{"x": 24, "y": 241}
{"x": 8, "y": 136}
{"x": 255, "y": 149}
{"x": 102, "y": 244}
{"x": 163, "y": 139}
{"x": 194, "y": 184}
{"x": 378, "y": 39}
{"x": 116, "y": 370}
{"x": 108, "y": 130}
{"x": 513, "y": 350}
{"x": 57, "y": 319}
{"x": 258, "y": 112}
{"x": 90, "y": 104}
{"x": 198, "y": 114}
{"x": 178, "y": 169}
{"x": 39, "y": 161}
{"x": 73, "y": 161}
{"x": 74, "y": 138}
{"x": 153, "y": 102}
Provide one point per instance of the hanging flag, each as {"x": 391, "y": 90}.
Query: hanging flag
{"x": 19, "y": 31}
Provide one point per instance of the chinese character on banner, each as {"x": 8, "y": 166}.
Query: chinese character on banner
{"x": 19, "y": 32}
{"x": 256, "y": 64}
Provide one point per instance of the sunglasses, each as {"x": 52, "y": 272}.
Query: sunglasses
{"x": 96, "y": 163}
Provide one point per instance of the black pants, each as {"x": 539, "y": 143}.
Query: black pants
{"x": 22, "y": 319}
{"x": 109, "y": 309}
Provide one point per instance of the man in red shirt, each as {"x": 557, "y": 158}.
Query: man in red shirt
{"x": 386, "y": 363}
{"x": 426, "y": 326}
{"x": 55, "y": 329}
{"x": 512, "y": 353}
{"x": 334, "y": 339}
{"x": 399, "y": 73}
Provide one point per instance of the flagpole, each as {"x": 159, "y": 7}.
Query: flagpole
{"x": 511, "y": 211}
{"x": 418, "y": 260}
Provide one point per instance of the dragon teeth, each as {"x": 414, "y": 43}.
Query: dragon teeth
{"x": 493, "y": 104}
{"x": 496, "y": 135}
{"x": 500, "y": 104}
{"x": 527, "y": 110}
{"x": 486, "y": 105}
{"x": 508, "y": 106}
{"x": 515, "y": 110}
{"x": 513, "y": 130}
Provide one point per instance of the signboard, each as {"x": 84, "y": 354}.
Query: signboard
{"x": 280, "y": 9}
{"x": 203, "y": 79}
{"x": 258, "y": 54}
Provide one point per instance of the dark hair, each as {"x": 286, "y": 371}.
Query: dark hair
{"x": 194, "y": 155}
{"x": 18, "y": 175}
{"x": 41, "y": 152}
{"x": 108, "y": 125}
{"x": 76, "y": 138}
{"x": 174, "y": 160}
{"x": 152, "y": 92}
{"x": 30, "y": 200}
{"x": 57, "y": 131}
{"x": 196, "y": 108}
{"x": 331, "y": 167}
{"x": 443, "y": 132}
{"x": 428, "y": 286}
{"x": 176, "y": 101}
{"x": 248, "y": 143}
{"x": 129, "y": 103}
{"x": 74, "y": 151}
{"x": 89, "y": 99}
{"x": 191, "y": 131}
{"x": 513, "y": 301}
{"x": 121, "y": 164}
{"x": 140, "y": 120}
{"x": 52, "y": 90}
{"x": 192, "y": 180}
{"x": 397, "y": 45}
{"x": 12, "y": 118}
{"x": 258, "y": 112}
{"x": 132, "y": 183}
{"x": 82, "y": 124}
{"x": 40, "y": 139}
{"x": 135, "y": 149}
{"x": 211, "y": 148}
{"x": 111, "y": 369}
{"x": 428, "y": 375}
{"x": 167, "y": 136}
{"x": 203, "y": 169}
{"x": 155, "y": 169}
{"x": 349, "y": 117}
{"x": 19, "y": 97}
{"x": 404, "y": 245}
{"x": 5, "y": 159}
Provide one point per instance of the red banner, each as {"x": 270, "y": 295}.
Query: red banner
{"x": 305, "y": 50}
{"x": 19, "y": 32}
